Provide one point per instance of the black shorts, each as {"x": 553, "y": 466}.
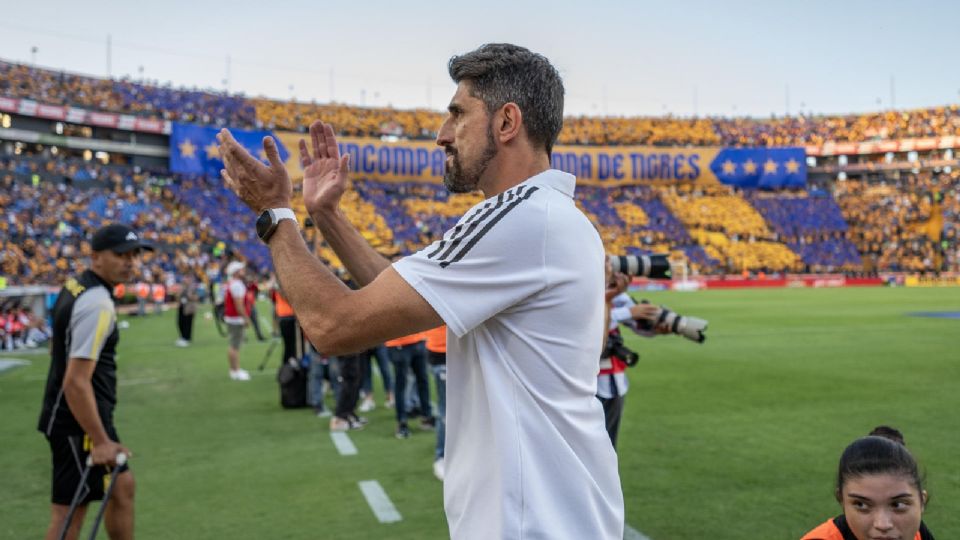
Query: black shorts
{"x": 69, "y": 460}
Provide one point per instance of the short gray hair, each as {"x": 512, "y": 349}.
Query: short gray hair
{"x": 501, "y": 73}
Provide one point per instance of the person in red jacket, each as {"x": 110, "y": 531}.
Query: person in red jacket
{"x": 236, "y": 315}
{"x": 880, "y": 490}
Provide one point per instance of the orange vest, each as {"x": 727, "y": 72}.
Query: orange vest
{"x": 828, "y": 531}
{"x": 405, "y": 340}
{"x": 282, "y": 306}
{"x": 119, "y": 290}
{"x": 437, "y": 339}
{"x": 143, "y": 290}
{"x": 159, "y": 292}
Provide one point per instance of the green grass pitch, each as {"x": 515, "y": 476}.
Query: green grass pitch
{"x": 734, "y": 439}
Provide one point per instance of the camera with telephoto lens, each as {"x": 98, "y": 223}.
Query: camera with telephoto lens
{"x": 691, "y": 328}
{"x": 615, "y": 348}
{"x": 649, "y": 266}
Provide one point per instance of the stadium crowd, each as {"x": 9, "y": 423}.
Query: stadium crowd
{"x": 895, "y": 223}
{"x": 52, "y": 201}
{"x": 812, "y": 226}
{"x": 216, "y": 108}
{"x": 50, "y": 204}
{"x": 806, "y": 130}
{"x": 124, "y": 96}
{"x": 48, "y": 219}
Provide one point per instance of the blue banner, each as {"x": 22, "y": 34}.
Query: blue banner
{"x": 761, "y": 167}
{"x": 194, "y": 149}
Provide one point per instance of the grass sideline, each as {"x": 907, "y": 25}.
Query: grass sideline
{"x": 738, "y": 438}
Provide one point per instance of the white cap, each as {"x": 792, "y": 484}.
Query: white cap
{"x": 234, "y": 267}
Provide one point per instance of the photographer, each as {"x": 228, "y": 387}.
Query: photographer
{"x": 612, "y": 383}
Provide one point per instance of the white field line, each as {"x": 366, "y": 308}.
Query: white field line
{"x": 343, "y": 443}
{"x": 629, "y": 533}
{"x": 379, "y": 502}
{"x": 10, "y": 363}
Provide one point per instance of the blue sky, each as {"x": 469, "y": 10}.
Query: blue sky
{"x": 617, "y": 58}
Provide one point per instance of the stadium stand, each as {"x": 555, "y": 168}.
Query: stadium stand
{"x": 811, "y": 226}
{"x": 192, "y": 105}
{"x": 803, "y": 130}
{"x": 895, "y": 223}
{"x": 349, "y": 120}
{"x": 887, "y": 220}
{"x": 124, "y": 95}
{"x": 729, "y": 228}
{"x": 48, "y": 220}
{"x": 632, "y": 220}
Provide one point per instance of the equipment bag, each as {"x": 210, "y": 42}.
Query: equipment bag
{"x": 293, "y": 385}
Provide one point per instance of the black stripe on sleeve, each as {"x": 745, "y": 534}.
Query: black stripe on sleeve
{"x": 489, "y": 225}
{"x": 502, "y": 198}
{"x": 457, "y": 229}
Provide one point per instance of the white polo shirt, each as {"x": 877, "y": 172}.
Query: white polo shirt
{"x": 520, "y": 283}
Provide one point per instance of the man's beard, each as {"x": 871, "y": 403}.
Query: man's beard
{"x": 458, "y": 179}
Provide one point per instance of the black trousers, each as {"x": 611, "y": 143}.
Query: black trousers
{"x": 292, "y": 338}
{"x": 612, "y": 413}
{"x": 184, "y": 323}
{"x": 351, "y": 371}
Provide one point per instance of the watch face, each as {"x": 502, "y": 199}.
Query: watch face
{"x": 264, "y": 222}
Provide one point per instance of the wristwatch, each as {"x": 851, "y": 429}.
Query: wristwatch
{"x": 269, "y": 219}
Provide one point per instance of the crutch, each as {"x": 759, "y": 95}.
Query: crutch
{"x": 121, "y": 459}
{"x": 78, "y": 494}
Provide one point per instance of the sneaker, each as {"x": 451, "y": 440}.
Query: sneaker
{"x": 181, "y": 343}
{"x": 339, "y": 424}
{"x": 438, "y": 469}
{"x": 403, "y": 432}
{"x": 389, "y": 402}
{"x": 358, "y": 420}
{"x": 240, "y": 375}
{"x": 323, "y": 413}
{"x": 367, "y": 405}
{"x": 428, "y": 422}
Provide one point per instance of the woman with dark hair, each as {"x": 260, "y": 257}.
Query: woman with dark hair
{"x": 880, "y": 490}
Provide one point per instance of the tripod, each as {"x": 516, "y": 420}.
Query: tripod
{"x": 266, "y": 357}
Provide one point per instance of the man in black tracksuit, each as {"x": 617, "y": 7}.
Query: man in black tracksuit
{"x": 81, "y": 390}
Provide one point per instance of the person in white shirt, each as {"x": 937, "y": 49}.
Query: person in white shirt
{"x": 612, "y": 382}
{"x": 519, "y": 281}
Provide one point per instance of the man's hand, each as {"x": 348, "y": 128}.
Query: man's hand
{"x": 105, "y": 453}
{"x": 258, "y": 186}
{"x": 649, "y": 312}
{"x": 325, "y": 172}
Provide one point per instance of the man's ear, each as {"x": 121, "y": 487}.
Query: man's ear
{"x": 507, "y": 123}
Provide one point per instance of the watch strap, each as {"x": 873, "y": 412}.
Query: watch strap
{"x": 280, "y": 214}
